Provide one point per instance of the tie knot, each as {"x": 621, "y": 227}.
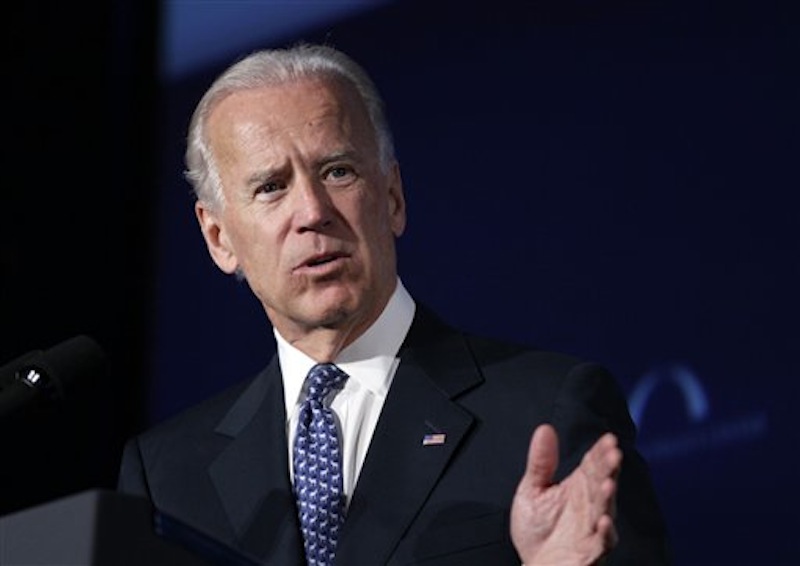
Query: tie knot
{"x": 322, "y": 379}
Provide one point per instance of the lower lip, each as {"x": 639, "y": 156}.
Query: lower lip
{"x": 322, "y": 268}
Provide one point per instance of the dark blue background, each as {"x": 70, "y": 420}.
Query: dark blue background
{"x": 614, "y": 179}
{"x": 617, "y": 180}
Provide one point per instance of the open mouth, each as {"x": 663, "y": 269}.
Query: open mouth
{"x": 321, "y": 261}
{"x": 318, "y": 261}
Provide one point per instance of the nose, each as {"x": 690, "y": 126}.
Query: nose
{"x": 314, "y": 207}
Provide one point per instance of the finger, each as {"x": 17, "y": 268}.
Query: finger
{"x": 599, "y": 542}
{"x": 542, "y": 456}
{"x": 601, "y": 465}
{"x": 603, "y": 459}
{"x": 612, "y": 458}
{"x": 608, "y": 531}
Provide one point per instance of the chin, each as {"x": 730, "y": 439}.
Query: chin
{"x": 332, "y": 307}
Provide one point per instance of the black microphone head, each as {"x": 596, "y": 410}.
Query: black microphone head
{"x": 8, "y": 373}
{"x": 79, "y": 358}
{"x": 49, "y": 375}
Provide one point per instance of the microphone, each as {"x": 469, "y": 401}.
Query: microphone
{"x": 47, "y": 376}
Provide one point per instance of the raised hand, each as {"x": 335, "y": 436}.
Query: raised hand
{"x": 571, "y": 522}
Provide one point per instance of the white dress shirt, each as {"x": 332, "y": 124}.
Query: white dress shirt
{"x": 371, "y": 362}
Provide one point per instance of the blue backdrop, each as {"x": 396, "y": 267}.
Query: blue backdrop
{"x": 613, "y": 179}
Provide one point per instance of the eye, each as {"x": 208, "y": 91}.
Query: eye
{"x": 339, "y": 174}
{"x": 270, "y": 187}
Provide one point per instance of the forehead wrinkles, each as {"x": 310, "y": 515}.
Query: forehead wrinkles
{"x": 257, "y": 122}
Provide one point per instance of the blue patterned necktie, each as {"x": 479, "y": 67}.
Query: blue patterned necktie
{"x": 318, "y": 467}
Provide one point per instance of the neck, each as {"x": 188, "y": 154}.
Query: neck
{"x": 324, "y": 344}
{"x": 324, "y": 341}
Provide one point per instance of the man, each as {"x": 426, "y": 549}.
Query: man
{"x": 430, "y": 432}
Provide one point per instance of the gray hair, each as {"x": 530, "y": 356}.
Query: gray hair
{"x": 275, "y": 67}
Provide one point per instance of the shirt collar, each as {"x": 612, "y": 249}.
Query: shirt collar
{"x": 369, "y": 359}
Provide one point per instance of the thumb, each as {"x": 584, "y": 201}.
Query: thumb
{"x": 542, "y": 456}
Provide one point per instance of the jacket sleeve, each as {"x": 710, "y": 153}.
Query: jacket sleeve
{"x": 590, "y": 403}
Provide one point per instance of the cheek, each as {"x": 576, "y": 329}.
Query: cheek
{"x": 256, "y": 246}
{"x": 374, "y": 215}
{"x": 377, "y": 231}
{"x": 372, "y": 229}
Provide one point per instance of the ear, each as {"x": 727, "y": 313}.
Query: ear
{"x": 397, "y": 201}
{"x": 217, "y": 241}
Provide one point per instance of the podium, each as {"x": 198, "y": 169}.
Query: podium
{"x": 104, "y": 528}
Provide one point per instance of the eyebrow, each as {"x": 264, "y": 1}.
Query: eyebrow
{"x": 347, "y": 154}
{"x": 264, "y": 175}
{"x": 260, "y": 177}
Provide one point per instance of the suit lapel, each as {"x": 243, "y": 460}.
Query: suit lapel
{"x": 400, "y": 470}
{"x": 251, "y": 473}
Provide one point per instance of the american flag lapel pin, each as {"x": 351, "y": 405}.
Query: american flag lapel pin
{"x": 434, "y": 439}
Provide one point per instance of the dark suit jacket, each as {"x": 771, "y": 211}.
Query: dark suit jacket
{"x": 222, "y": 466}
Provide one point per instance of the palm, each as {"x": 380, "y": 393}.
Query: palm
{"x": 569, "y": 522}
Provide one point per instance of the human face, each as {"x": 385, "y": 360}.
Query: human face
{"x": 308, "y": 217}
